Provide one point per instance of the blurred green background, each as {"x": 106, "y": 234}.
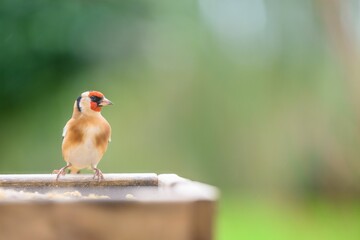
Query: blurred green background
{"x": 260, "y": 98}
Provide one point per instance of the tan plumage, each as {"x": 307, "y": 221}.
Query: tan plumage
{"x": 86, "y": 135}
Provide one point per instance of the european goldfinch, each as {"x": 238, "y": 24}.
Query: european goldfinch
{"x": 86, "y": 135}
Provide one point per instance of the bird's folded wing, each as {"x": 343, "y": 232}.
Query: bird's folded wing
{"x": 64, "y": 131}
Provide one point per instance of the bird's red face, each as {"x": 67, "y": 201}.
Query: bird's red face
{"x": 98, "y": 100}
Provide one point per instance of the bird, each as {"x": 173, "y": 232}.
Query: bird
{"x": 86, "y": 135}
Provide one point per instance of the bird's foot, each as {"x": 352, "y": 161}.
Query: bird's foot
{"x": 61, "y": 171}
{"x": 56, "y": 171}
{"x": 98, "y": 174}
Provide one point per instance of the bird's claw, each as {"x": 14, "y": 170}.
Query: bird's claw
{"x": 56, "y": 171}
{"x": 98, "y": 174}
{"x": 61, "y": 171}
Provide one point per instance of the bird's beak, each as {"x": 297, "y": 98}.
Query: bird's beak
{"x": 105, "y": 102}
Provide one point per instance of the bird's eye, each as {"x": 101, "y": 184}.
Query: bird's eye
{"x": 95, "y": 99}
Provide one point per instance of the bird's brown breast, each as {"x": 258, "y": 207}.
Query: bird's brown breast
{"x": 75, "y": 135}
{"x": 79, "y": 129}
{"x": 102, "y": 140}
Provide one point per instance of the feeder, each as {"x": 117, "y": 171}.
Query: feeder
{"x": 122, "y": 206}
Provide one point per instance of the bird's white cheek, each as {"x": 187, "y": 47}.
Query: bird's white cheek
{"x": 85, "y": 103}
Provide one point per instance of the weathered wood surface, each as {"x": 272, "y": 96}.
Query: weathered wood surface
{"x": 97, "y": 221}
{"x": 201, "y": 197}
{"x": 179, "y": 209}
{"x": 172, "y": 184}
{"x": 78, "y": 180}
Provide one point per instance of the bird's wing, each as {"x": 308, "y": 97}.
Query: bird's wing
{"x": 67, "y": 126}
{"x": 65, "y": 129}
{"x": 109, "y": 133}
